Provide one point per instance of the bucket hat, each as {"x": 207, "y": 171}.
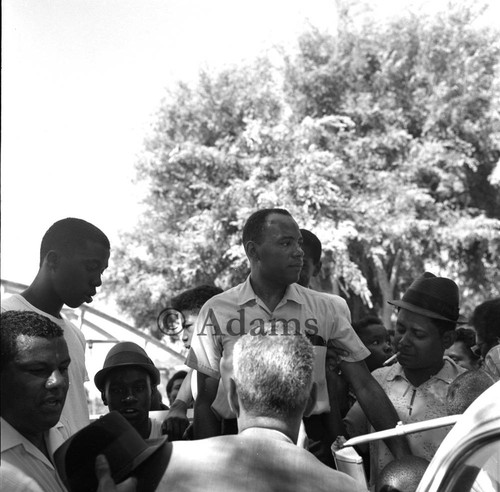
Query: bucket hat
{"x": 434, "y": 297}
{"x": 126, "y": 354}
{"x": 126, "y": 451}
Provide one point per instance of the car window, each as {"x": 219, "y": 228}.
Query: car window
{"x": 478, "y": 469}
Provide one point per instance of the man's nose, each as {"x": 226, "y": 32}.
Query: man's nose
{"x": 129, "y": 396}
{"x": 97, "y": 280}
{"x": 56, "y": 379}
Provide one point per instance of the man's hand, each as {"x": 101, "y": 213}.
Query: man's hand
{"x": 334, "y": 357}
{"x": 106, "y": 482}
{"x": 176, "y": 422}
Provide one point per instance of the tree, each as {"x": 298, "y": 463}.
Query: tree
{"x": 381, "y": 140}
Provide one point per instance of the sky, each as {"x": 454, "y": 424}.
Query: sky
{"x": 81, "y": 81}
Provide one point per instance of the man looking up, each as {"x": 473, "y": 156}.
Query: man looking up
{"x": 270, "y": 295}
{"x": 73, "y": 256}
{"x": 34, "y": 383}
{"x": 126, "y": 382}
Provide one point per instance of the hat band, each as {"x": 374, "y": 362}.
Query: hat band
{"x": 431, "y": 303}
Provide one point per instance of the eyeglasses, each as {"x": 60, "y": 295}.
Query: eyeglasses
{"x": 170, "y": 321}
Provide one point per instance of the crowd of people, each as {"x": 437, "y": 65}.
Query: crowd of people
{"x": 277, "y": 373}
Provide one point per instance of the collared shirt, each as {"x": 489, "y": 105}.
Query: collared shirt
{"x": 229, "y": 315}
{"x": 492, "y": 361}
{"x": 75, "y": 414}
{"x": 26, "y": 457}
{"x": 413, "y": 404}
{"x": 256, "y": 459}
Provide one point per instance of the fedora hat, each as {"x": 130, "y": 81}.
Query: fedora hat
{"x": 434, "y": 297}
{"x": 126, "y": 451}
{"x": 126, "y": 354}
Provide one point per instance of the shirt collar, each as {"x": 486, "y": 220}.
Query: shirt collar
{"x": 265, "y": 433}
{"x": 292, "y": 293}
{"x": 448, "y": 372}
{"x": 12, "y": 438}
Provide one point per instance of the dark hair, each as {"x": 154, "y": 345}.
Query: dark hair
{"x": 175, "y": 377}
{"x": 252, "y": 230}
{"x": 67, "y": 235}
{"x": 486, "y": 320}
{"x": 312, "y": 243}
{"x": 194, "y": 298}
{"x": 468, "y": 337}
{"x": 443, "y": 326}
{"x": 16, "y": 323}
{"x": 366, "y": 321}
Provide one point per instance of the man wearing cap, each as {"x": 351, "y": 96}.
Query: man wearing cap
{"x": 126, "y": 382}
{"x": 418, "y": 383}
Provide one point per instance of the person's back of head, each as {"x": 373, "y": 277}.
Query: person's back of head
{"x": 486, "y": 321}
{"x": 465, "y": 388}
{"x": 67, "y": 235}
{"x": 193, "y": 299}
{"x": 402, "y": 475}
{"x": 273, "y": 374}
{"x": 312, "y": 248}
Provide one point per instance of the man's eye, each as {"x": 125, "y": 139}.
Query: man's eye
{"x": 375, "y": 342}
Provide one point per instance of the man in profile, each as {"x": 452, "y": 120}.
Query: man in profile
{"x": 34, "y": 383}
{"x": 73, "y": 257}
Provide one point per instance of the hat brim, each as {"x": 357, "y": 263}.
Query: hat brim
{"x": 425, "y": 312}
{"x": 148, "y": 467}
{"x": 100, "y": 377}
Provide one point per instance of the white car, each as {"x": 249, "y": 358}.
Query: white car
{"x": 468, "y": 459}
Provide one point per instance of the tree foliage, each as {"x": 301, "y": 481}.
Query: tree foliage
{"x": 381, "y": 139}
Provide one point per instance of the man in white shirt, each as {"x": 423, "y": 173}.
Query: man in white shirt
{"x": 73, "y": 256}
{"x": 34, "y": 383}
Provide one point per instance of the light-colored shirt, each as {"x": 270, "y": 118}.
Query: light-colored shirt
{"x": 492, "y": 361}
{"x": 75, "y": 414}
{"x": 413, "y": 404}
{"x": 26, "y": 457}
{"x": 257, "y": 460}
{"x": 13, "y": 479}
{"x": 227, "y": 316}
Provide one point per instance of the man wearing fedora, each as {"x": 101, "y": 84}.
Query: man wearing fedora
{"x": 126, "y": 382}
{"x": 418, "y": 382}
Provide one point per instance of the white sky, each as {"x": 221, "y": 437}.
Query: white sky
{"x": 81, "y": 81}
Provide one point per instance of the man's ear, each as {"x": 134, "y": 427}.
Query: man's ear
{"x": 311, "y": 401}
{"x": 449, "y": 338}
{"x": 317, "y": 269}
{"x": 234, "y": 404}
{"x": 251, "y": 250}
{"x": 52, "y": 259}
{"x": 103, "y": 397}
